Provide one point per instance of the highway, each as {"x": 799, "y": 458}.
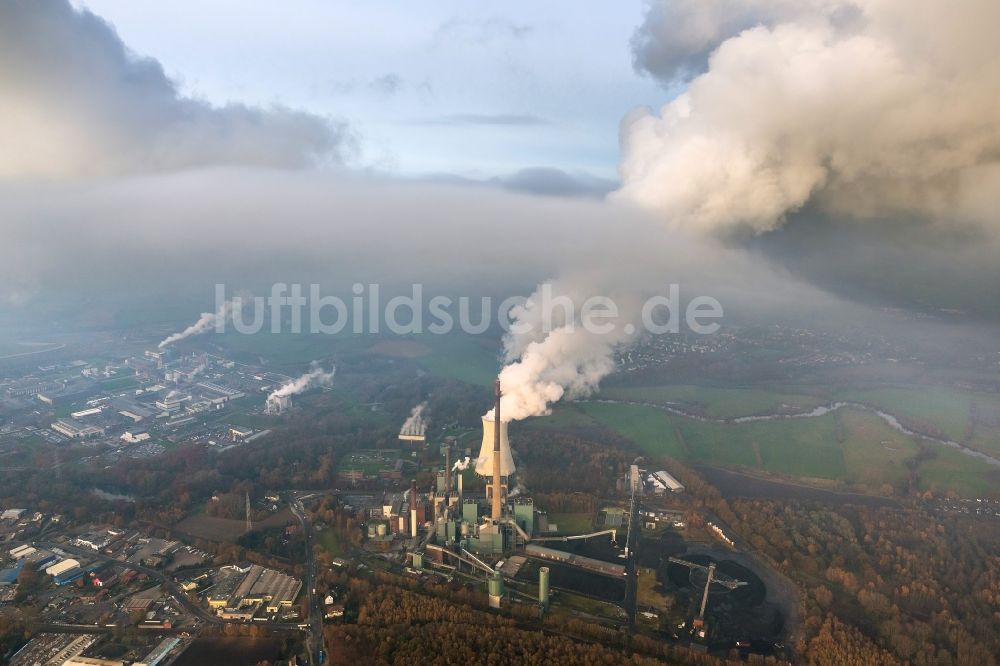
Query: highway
{"x": 315, "y": 643}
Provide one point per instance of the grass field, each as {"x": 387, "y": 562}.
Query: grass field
{"x": 952, "y": 470}
{"x": 969, "y": 417}
{"x": 874, "y": 452}
{"x": 331, "y": 542}
{"x": 467, "y": 358}
{"x": 646, "y": 594}
{"x": 224, "y": 529}
{"x": 573, "y": 523}
{"x": 850, "y": 448}
{"x": 718, "y": 403}
{"x": 652, "y": 429}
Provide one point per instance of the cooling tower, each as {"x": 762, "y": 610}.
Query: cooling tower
{"x": 484, "y": 465}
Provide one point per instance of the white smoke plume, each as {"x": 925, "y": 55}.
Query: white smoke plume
{"x": 461, "y": 465}
{"x": 864, "y": 108}
{"x": 555, "y": 355}
{"x": 317, "y": 376}
{"x": 415, "y": 424}
{"x": 205, "y": 323}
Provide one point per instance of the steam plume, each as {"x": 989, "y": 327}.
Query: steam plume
{"x": 555, "y": 355}
{"x": 461, "y": 465}
{"x": 832, "y": 104}
{"x": 415, "y": 424}
{"x": 205, "y": 323}
{"x": 315, "y": 377}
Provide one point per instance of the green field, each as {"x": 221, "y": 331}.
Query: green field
{"x": 467, "y": 358}
{"x": 573, "y": 523}
{"x": 717, "y": 403}
{"x": 874, "y": 452}
{"x": 955, "y": 471}
{"x": 944, "y": 411}
{"x": 851, "y": 448}
{"x": 331, "y": 542}
{"x": 652, "y": 429}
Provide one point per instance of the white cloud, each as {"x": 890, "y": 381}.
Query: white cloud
{"x": 74, "y": 101}
{"x": 867, "y": 108}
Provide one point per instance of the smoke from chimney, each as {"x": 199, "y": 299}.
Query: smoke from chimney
{"x": 562, "y": 358}
{"x": 205, "y": 323}
{"x": 315, "y": 377}
{"x": 415, "y": 424}
{"x": 461, "y": 465}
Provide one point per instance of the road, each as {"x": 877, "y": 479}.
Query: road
{"x": 631, "y": 583}
{"x": 315, "y": 643}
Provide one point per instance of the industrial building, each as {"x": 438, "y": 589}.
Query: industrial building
{"x": 76, "y": 430}
{"x": 157, "y": 655}
{"x": 277, "y": 404}
{"x": 664, "y": 480}
{"x": 259, "y": 588}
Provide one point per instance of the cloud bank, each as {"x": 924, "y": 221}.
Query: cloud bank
{"x": 74, "y": 101}
{"x": 863, "y": 108}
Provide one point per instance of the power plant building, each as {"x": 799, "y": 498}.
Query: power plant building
{"x": 669, "y": 482}
{"x": 277, "y": 404}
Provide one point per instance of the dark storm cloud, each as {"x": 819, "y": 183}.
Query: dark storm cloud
{"x": 74, "y": 101}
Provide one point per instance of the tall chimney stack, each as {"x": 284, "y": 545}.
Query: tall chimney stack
{"x": 447, "y": 472}
{"x": 497, "y": 505}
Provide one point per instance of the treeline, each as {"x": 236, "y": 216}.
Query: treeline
{"x": 566, "y": 502}
{"x": 560, "y": 462}
{"x": 400, "y": 627}
{"x": 921, "y": 587}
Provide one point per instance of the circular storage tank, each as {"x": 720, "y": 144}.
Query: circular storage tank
{"x": 495, "y": 585}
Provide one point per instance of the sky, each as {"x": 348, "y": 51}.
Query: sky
{"x": 472, "y": 89}
{"x": 800, "y": 160}
{"x": 849, "y": 146}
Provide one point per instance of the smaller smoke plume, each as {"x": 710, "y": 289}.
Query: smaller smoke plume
{"x": 415, "y": 423}
{"x": 317, "y": 376}
{"x": 461, "y": 465}
{"x": 205, "y": 323}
